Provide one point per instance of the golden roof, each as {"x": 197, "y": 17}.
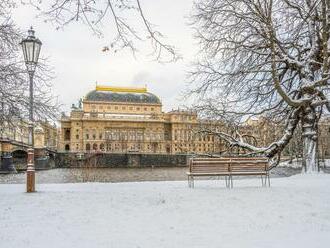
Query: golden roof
{"x": 121, "y": 89}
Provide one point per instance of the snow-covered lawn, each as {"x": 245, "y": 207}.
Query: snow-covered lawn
{"x": 294, "y": 212}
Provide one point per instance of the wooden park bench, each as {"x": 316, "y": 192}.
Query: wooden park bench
{"x": 228, "y": 167}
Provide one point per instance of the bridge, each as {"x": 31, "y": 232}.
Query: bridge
{"x": 14, "y": 156}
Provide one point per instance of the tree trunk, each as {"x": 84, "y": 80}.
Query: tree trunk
{"x": 309, "y": 133}
{"x": 310, "y": 161}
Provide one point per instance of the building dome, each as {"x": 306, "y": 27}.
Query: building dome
{"x": 117, "y": 94}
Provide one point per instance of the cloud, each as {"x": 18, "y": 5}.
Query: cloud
{"x": 141, "y": 78}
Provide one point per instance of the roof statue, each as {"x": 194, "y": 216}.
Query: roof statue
{"x": 80, "y": 103}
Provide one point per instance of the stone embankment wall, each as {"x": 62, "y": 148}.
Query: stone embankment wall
{"x": 118, "y": 160}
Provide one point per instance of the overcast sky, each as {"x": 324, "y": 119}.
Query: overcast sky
{"x": 79, "y": 61}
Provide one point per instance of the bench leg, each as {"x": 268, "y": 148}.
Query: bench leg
{"x": 190, "y": 181}
{"x": 228, "y": 181}
{"x": 262, "y": 181}
{"x": 268, "y": 180}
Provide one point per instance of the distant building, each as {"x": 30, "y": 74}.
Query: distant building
{"x": 116, "y": 119}
{"x": 19, "y": 132}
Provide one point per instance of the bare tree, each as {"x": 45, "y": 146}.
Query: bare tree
{"x": 126, "y": 16}
{"x": 264, "y": 58}
{"x": 14, "y": 94}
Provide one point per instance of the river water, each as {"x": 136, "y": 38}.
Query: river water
{"x": 78, "y": 175}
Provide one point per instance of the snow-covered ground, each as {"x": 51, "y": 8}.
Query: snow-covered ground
{"x": 293, "y": 212}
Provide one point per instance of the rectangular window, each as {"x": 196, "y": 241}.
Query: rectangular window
{"x": 67, "y": 134}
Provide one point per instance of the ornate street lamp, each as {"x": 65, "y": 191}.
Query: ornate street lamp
{"x": 31, "y": 49}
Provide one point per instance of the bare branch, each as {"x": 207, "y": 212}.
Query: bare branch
{"x": 126, "y": 16}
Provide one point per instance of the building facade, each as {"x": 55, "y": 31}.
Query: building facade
{"x": 121, "y": 120}
{"x": 18, "y": 132}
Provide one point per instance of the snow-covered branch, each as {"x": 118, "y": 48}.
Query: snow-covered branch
{"x": 271, "y": 151}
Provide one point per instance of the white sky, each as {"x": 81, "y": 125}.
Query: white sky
{"x": 79, "y": 62}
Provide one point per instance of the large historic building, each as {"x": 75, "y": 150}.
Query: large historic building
{"x": 116, "y": 119}
{"x": 122, "y": 120}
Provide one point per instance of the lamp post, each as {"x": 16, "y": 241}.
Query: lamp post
{"x": 31, "y": 49}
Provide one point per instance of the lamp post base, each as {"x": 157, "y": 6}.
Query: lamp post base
{"x": 30, "y": 173}
{"x": 30, "y": 181}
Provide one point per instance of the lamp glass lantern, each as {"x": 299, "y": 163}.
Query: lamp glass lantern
{"x": 31, "y": 49}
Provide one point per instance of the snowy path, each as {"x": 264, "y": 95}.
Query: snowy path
{"x": 294, "y": 212}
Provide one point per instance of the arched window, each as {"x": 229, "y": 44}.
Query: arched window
{"x": 102, "y": 147}
{"x": 95, "y": 146}
{"x": 67, "y": 147}
{"x": 88, "y": 147}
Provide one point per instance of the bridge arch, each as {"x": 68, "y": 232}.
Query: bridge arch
{"x": 20, "y": 158}
{"x": 19, "y": 153}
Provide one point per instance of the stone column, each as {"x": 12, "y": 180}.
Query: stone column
{"x": 6, "y": 165}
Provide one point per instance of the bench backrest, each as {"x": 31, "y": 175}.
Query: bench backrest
{"x": 215, "y": 166}
{"x": 249, "y": 166}
{"x": 226, "y": 164}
